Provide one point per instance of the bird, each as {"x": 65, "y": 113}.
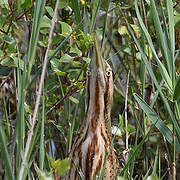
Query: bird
{"x": 92, "y": 155}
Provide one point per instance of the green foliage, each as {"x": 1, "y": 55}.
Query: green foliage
{"x": 61, "y": 166}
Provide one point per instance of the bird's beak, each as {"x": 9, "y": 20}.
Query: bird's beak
{"x": 99, "y": 60}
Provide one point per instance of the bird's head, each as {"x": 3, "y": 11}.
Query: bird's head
{"x": 100, "y": 80}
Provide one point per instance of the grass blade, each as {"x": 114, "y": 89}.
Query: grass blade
{"x": 161, "y": 39}
{"x": 86, "y": 21}
{"x": 42, "y": 150}
{"x": 77, "y": 13}
{"x": 161, "y": 67}
{"x": 5, "y": 155}
{"x": 20, "y": 122}
{"x": 105, "y": 22}
{"x": 135, "y": 152}
{"x": 38, "y": 13}
{"x": 169, "y": 5}
{"x": 169, "y": 51}
{"x": 94, "y": 14}
{"x": 144, "y": 58}
{"x": 156, "y": 120}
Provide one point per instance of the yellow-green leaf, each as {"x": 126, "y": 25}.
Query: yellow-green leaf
{"x": 74, "y": 100}
{"x": 66, "y": 58}
{"x": 66, "y": 29}
{"x": 63, "y": 167}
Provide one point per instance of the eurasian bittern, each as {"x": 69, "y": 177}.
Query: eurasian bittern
{"x": 92, "y": 154}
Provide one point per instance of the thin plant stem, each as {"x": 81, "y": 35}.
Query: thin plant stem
{"x": 126, "y": 117}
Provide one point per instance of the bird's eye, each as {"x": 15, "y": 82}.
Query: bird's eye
{"x": 108, "y": 72}
{"x": 88, "y": 72}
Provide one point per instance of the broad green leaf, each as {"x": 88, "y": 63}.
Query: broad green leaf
{"x": 63, "y": 4}
{"x": 46, "y": 22}
{"x": 156, "y": 120}
{"x": 76, "y": 64}
{"x": 60, "y": 73}
{"x": 55, "y": 65}
{"x": 88, "y": 60}
{"x": 49, "y": 10}
{"x": 66, "y": 29}
{"x": 56, "y": 40}
{"x": 27, "y": 4}
{"x": 122, "y": 30}
{"x": 76, "y": 51}
{"x": 74, "y": 100}
{"x": 66, "y": 58}
{"x": 43, "y": 43}
{"x": 63, "y": 167}
{"x": 177, "y": 90}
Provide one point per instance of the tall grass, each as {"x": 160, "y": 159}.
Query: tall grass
{"x": 166, "y": 42}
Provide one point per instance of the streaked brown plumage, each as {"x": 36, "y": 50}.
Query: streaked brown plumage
{"x": 92, "y": 154}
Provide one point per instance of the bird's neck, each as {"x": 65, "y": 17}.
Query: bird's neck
{"x": 95, "y": 107}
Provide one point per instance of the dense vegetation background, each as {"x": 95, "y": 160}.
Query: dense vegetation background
{"x": 140, "y": 40}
